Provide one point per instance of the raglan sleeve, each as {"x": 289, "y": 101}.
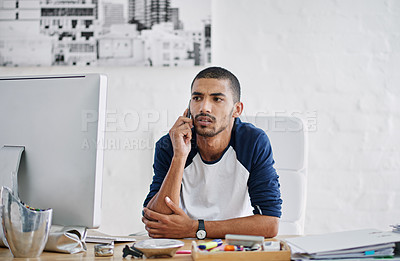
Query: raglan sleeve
{"x": 263, "y": 183}
{"x": 162, "y": 161}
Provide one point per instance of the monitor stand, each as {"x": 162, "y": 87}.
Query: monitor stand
{"x": 10, "y": 157}
{"x": 73, "y": 237}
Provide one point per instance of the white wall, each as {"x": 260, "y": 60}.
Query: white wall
{"x": 337, "y": 59}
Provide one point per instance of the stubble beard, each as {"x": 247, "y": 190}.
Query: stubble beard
{"x": 208, "y": 133}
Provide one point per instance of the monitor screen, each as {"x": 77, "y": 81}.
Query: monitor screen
{"x": 60, "y": 120}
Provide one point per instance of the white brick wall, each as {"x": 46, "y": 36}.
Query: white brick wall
{"x": 339, "y": 58}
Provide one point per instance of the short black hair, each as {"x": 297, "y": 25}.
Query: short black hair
{"x": 221, "y": 73}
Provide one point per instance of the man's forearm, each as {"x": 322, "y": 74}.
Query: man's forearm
{"x": 259, "y": 225}
{"x": 171, "y": 187}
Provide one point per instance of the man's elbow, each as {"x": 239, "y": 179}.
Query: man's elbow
{"x": 271, "y": 227}
{"x": 273, "y": 230}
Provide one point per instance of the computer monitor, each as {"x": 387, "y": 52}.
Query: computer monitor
{"x": 60, "y": 120}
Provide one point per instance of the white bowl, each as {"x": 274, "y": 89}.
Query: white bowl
{"x": 159, "y": 247}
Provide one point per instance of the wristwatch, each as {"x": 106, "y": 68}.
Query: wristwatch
{"x": 201, "y": 231}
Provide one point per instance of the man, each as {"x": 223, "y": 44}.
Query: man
{"x": 213, "y": 174}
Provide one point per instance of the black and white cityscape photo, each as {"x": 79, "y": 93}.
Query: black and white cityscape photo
{"x": 170, "y": 33}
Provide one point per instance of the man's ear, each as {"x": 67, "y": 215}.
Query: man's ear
{"x": 237, "y": 110}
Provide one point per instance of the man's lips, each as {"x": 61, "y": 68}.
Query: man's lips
{"x": 204, "y": 120}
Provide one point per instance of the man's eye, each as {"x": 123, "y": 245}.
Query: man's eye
{"x": 196, "y": 98}
{"x": 217, "y": 99}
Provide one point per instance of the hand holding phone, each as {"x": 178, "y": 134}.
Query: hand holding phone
{"x": 181, "y": 134}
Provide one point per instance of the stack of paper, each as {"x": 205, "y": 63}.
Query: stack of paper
{"x": 367, "y": 243}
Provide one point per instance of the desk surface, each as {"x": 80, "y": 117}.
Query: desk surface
{"x": 6, "y": 255}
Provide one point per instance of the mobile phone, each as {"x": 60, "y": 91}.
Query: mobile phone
{"x": 188, "y": 114}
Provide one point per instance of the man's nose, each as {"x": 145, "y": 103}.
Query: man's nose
{"x": 205, "y": 106}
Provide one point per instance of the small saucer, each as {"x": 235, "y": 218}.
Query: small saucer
{"x": 159, "y": 247}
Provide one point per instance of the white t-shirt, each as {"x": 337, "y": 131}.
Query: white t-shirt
{"x": 216, "y": 191}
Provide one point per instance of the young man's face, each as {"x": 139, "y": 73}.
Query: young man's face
{"x": 212, "y": 106}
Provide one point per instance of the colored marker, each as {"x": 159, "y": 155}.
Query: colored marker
{"x": 217, "y": 249}
{"x": 210, "y": 244}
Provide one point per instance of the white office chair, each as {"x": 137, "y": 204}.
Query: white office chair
{"x": 288, "y": 138}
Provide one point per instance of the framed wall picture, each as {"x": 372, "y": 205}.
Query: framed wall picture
{"x": 169, "y": 33}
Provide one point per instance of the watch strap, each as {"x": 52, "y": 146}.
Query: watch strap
{"x": 201, "y": 231}
{"x": 201, "y": 225}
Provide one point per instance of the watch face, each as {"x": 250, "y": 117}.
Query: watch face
{"x": 201, "y": 234}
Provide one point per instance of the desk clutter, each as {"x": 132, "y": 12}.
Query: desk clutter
{"x": 240, "y": 247}
{"x": 235, "y": 247}
{"x": 349, "y": 245}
